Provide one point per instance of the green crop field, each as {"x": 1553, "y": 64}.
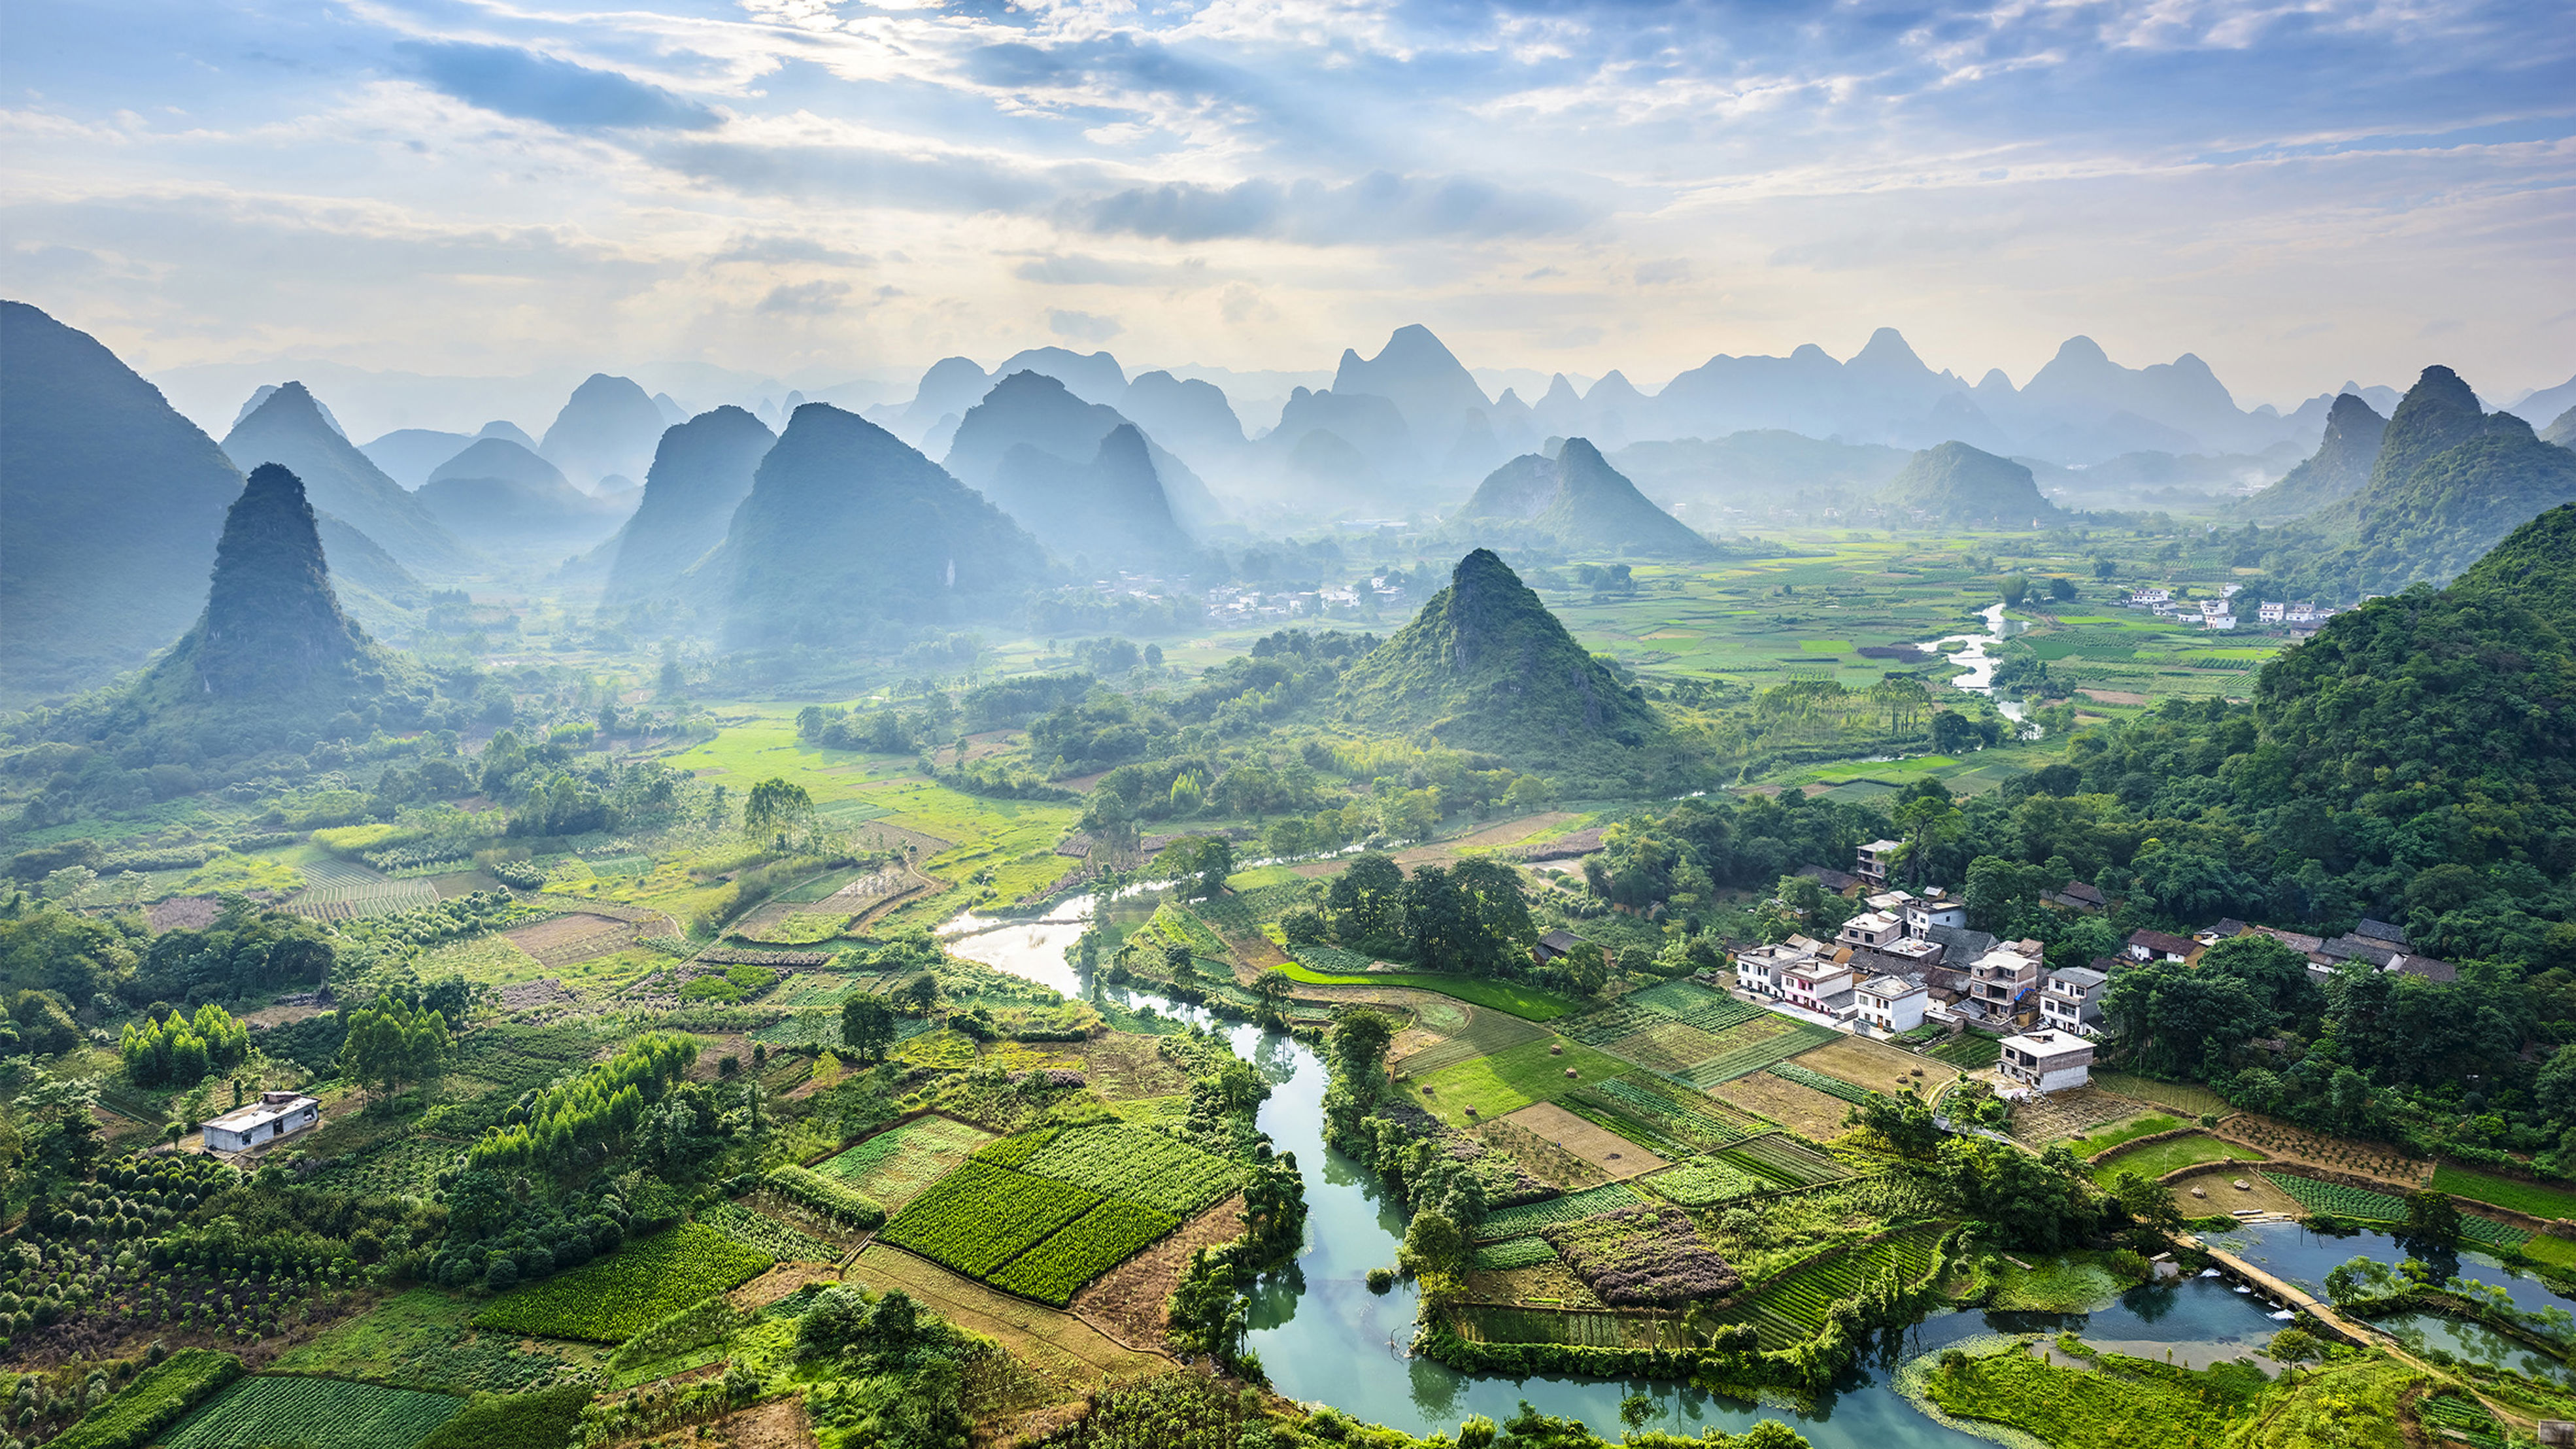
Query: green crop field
{"x": 1082, "y": 1250}
{"x": 896, "y": 1165}
{"x": 1703, "y": 1182}
{"x": 1818, "y": 1081}
{"x": 2336, "y": 1200}
{"x": 1602, "y": 1027}
{"x": 1514, "y": 1253}
{"x": 2505, "y": 1192}
{"x": 765, "y": 1234}
{"x": 260, "y": 1413}
{"x": 607, "y": 1301}
{"x": 1512, "y": 1079}
{"x": 1785, "y": 1161}
{"x": 979, "y": 1217}
{"x": 1973, "y": 1052}
{"x": 1485, "y": 1031}
{"x": 1144, "y": 1167}
{"x": 2155, "y": 1159}
{"x": 1513, "y": 1222}
{"x": 1522, "y": 1001}
{"x": 1793, "y": 1308}
{"x": 1755, "y": 1045}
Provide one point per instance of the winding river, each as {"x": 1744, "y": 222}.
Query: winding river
{"x": 1325, "y": 1338}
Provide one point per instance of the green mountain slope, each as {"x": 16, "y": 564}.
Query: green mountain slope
{"x": 110, "y": 504}
{"x": 2340, "y": 468}
{"x": 849, "y": 537}
{"x": 701, "y": 472}
{"x": 1485, "y": 666}
{"x": 288, "y": 429}
{"x": 2451, "y": 482}
{"x": 1956, "y": 484}
{"x": 1578, "y": 502}
{"x": 273, "y": 662}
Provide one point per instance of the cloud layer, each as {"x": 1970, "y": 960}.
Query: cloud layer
{"x": 2299, "y": 192}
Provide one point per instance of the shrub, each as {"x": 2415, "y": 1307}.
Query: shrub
{"x": 542, "y": 1420}
{"x": 159, "y": 1397}
{"x": 701, "y": 1323}
{"x": 830, "y": 1196}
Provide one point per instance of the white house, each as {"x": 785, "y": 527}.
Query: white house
{"x": 2072, "y": 1000}
{"x": 2218, "y": 621}
{"x": 1759, "y": 970}
{"x": 1872, "y": 929}
{"x": 2001, "y": 981}
{"x": 1922, "y": 916}
{"x": 1876, "y": 858}
{"x": 1816, "y": 984}
{"x": 2151, "y": 596}
{"x": 2050, "y": 1061}
{"x": 1890, "y": 1004}
{"x": 2271, "y": 611}
{"x": 273, "y": 1116}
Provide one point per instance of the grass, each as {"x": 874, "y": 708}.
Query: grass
{"x": 2120, "y": 1403}
{"x": 2158, "y": 1158}
{"x": 609, "y": 1300}
{"x": 2183, "y": 1098}
{"x": 1527, "y": 1002}
{"x": 425, "y": 1338}
{"x": 2069, "y": 1283}
{"x": 1512, "y": 1079}
{"x": 259, "y": 1413}
{"x": 2103, "y": 1139}
{"x": 2505, "y": 1192}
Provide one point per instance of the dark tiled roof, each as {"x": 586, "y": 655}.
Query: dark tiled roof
{"x": 2350, "y": 948}
{"x": 1958, "y": 943}
{"x": 2381, "y": 931}
{"x": 1560, "y": 941}
{"x": 2162, "y": 944}
{"x": 2428, "y": 968}
{"x": 1828, "y": 877}
{"x": 2076, "y": 890}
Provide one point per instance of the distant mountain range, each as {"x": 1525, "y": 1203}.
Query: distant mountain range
{"x": 1576, "y": 502}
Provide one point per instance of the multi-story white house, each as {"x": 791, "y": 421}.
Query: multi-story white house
{"x": 1818, "y": 984}
{"x": 1876, "y": 859}
{"x": 1759, "y": 969}
{"x": 2143, "y": 597}
{"x": 2048, "y": 1061}
{"x": 1922, "y": 916}
{"x": 1887, "y": 1005}
{"x": 2072, "y": 1000}
{"x": 2270, "y": 611}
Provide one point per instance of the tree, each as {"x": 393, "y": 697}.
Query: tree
{"x": 1636, "y": 1411}
{"x": 774, "y": 808}
{"x": 393, "y": 1047}
{"x": 1199, "y": 862}
{"x": 867, "y": 1027}
{"x": 1177, "y": 965}
{"x": 919, "y": 994}
{"x": 1433, "y": 1244}
{"x": 1929, "y": 822}
{"x": 2294, "y": 1346}
{"x": 1273, "y": 987}
{"x": 1366, "y": 902}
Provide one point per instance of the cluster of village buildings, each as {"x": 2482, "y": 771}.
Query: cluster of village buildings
{"x": 2220, "y": 612}
{"x": 1234, "y": 602}
{"x": 1909, "y": 961}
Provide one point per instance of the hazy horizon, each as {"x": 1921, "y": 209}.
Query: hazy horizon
{"x": 2297, "y": 195}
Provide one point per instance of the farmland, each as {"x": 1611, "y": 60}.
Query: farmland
{"x": 2534, "y": 1198}
{"x": 1792, "y": 1308}
{"x": 767, "y": 1235}
{"x": 1141, "y": 1166}
{"x": 1704, "y": 1182}
{"x": 1513, "y": 1222}
{"x": 2155, "y": 1159}
{"x": 1337, "y": 969}
{"x": 257, "y": 1413}
{"x": 1082, "y": 1250}
{"x": 897, "y": 1165}
{"x": 1511, "y": 1079}
{"x": 1754, "y": 1044}
{"x": 2336, "y": 1200}
{"x": 979, "y": 1217}
{"x": 607, "y": 1301}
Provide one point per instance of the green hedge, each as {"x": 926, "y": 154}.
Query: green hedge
{"x": 828, "y": 1195}
{"x": 159, "y": 1397}
{"x": 546, "y": 1419}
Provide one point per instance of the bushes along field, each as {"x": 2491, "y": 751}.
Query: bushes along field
{"x": 835, "y": 1198}
{"x": 611, "y": 1300}
{"x": 542, "y": 1420}
{"x": 159, "y": 1397}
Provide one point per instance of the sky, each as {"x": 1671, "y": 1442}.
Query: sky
{"x": 2299, "y": 191}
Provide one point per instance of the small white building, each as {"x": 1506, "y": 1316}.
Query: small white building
{"x": 1759, "y": 969}
{"x": 1922, "y": 916}
{"x": 1890, "y": 1004}
{"x": 1876, "y": 859}
{"x": 2072, "y": 1000}
{"x": 275, "y": 1115}
{"x": 1872, "y": 929}
{"x": 2047, "y": 1061}
{"x": 1813, "y": 984}
{"x": 2151, "y": 596}
{"x": 2272, "y": 610}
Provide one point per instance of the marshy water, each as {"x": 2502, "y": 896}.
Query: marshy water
{"x": 1325, "y": 1338}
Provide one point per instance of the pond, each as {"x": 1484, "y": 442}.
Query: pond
{"x": 1325, "y": 1338}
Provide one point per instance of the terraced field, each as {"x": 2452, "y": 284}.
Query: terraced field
{"x": 1695, "y": 1005}
{"x": 1792, "y": 1308}
{"x": 1784, "y": 1161}
{"x": 1754, "y": 1045}
{"x": 2379, "y": 1207}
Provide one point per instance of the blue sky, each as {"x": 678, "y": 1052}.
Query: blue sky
{"x": 2299, "y": 192}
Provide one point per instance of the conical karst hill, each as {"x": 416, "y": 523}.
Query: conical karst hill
{"x": 1485, "y": 666}
{"x": 1578, "y": 502}
{"x": 848, "y": 531}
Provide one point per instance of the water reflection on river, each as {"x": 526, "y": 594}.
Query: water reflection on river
{"x": 1325, "y": 1338}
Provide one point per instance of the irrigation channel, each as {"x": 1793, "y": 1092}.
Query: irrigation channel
{"x": 1325, "y": 1338}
